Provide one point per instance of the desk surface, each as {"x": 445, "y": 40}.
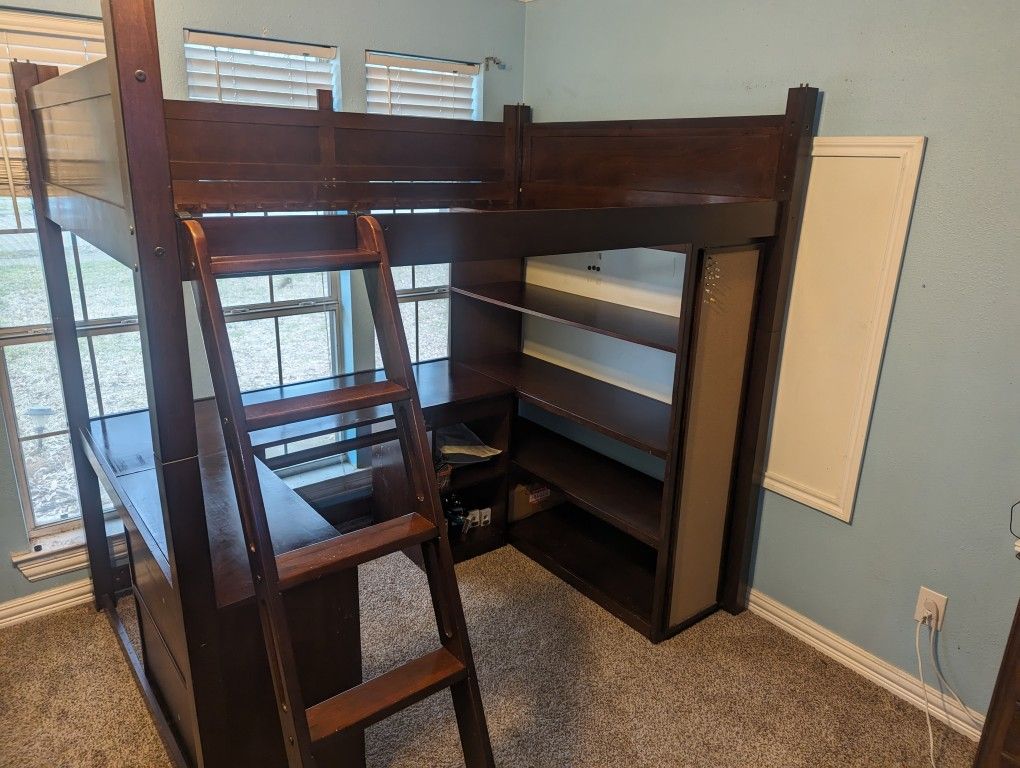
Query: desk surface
{"x": 120, "y": 447}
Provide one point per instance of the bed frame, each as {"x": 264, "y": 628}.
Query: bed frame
{"x": 115, "y": 163}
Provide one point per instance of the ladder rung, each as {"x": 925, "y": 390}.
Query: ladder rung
{"x": 273, "y": 413}
{"x": 351, "y": 549}
{"x": 380, "y": 697}
{"x": 236, "y": 265}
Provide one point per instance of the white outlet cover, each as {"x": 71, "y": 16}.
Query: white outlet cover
{"x": 928, "y": 595}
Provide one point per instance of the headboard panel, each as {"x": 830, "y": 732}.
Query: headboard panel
{"x": 240, "y": 157}
{"x": 650, "y": 160}
{"x": 85, "y": 187}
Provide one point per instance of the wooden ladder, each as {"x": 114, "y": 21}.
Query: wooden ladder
{"x": 451, "y": 666}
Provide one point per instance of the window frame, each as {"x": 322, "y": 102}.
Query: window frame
{"x": 43, "y": 28}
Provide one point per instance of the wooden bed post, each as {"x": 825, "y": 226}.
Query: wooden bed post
{"x": 137, "y": 96}
{"x": 515, "y": 117}
{"x": 774, "y": 294}
{"x": 65, "y": 338}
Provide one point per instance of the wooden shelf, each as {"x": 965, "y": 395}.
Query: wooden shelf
{"x": 650, "y": 329}
{"x": 614, "y": 570}
{"x": 623, "y": 497}
{"x": 619, "y": 413}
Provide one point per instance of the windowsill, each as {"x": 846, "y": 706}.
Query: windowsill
{"x": 64, "y": 552}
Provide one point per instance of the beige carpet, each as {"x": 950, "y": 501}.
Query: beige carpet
{"x": 564, "y": 683}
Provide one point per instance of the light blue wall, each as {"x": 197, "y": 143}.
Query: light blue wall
{"x": 459, "y": 29}
{"x": 943, "y": 462}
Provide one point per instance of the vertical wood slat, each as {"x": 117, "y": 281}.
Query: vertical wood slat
{"x": 763, "y": 374}
{"x": 137, "y": 101}
{"x": 65, "y": 337}
{"x": 514, "y": 120}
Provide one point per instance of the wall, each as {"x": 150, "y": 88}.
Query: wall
{"x": 942, "y": 463}
{"x": 459, "y": 29}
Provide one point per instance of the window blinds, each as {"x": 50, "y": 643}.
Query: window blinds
{"x": 68, "y": 43}
{"x": 404, "y": 85}
{"x": 256, "y": 71}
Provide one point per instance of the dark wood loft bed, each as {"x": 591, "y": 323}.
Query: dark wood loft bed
{"x": 115, "y": 163}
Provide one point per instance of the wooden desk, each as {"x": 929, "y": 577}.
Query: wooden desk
{"x": 323, "y": 614}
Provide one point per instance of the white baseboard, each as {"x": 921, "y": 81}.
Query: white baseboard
{"x": 47, "y": 601}
{"x": 893, "y": 679}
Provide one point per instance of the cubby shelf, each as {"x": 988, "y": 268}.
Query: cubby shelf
{"x": 623, "y": 497}
{"x": 639, "y": 421}
{"x": 650, "y": 329}
{"x": 614, "y": 570}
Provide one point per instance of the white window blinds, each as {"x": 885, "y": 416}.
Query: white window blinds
{"x": 406, "y": 85}
{"x": 68, "y": 43}
{"x": 256, "y": 71}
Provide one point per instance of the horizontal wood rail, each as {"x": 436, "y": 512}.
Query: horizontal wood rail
{"x": 273, "y": 413}
{"x": 376, "y": 699}
{"x": 431, "y": 238}
{"x": 322, "y": 558}
{"x": 282, "y": 263}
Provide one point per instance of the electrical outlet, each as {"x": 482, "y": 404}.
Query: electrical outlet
{"x": 929, "y": 596}
{"x": 473, "y": 519}
{"x": 485, "y": 516}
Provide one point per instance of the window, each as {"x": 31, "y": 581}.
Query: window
{"x": 256, "y": 70}
{"x": 30, "y": 395}
{"x": 422, "y": 87}
{"x": 285, "y": 328}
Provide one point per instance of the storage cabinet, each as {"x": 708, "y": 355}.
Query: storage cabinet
{"x": 647, "y": 548}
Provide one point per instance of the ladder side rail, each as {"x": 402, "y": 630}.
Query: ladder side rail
{"x": 258, "y": 541}
{"x": 439, "y": 565}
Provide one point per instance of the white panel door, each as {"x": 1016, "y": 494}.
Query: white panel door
{"x": 859, "y": 199}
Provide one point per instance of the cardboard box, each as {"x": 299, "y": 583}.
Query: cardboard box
{"x": 529, "y": 498}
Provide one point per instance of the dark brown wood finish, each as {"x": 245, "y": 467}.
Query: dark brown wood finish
{"x": 623, "y": 497}
{"x": 650, "y": 329}
{"x": 136, "y": 98}
{"x": 241, "y": 157}
{"x": 611, "y": 568}
{"x": 65, "y": 335}
{"x": 1000, "y": 740}
{"x": 716, "y": 182}
{"x": 352, "y": 549}
{"x": 417, "y": 519}
{"x": 377, "y": 699}
{"x": 735, "y": 156}
{"x": 337, "y": 402}
{"x": 766, "y": 346}
{"x": 619, "y": 413}
{"x": 464, "y": 236}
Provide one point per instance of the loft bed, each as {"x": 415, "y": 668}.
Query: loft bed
{"x": 113, "y": 162}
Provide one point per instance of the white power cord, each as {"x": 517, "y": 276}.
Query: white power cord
{"x": 945, "y": 683}
{"x": 931, "y": 618}
{"x": 924, "y": 688}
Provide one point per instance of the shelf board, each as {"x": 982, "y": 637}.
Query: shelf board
{"x": 650, "y": 329}
{"x": 623, "y": 497}
{"x": 626, "y": 416}
{"x": 614, "y": 570}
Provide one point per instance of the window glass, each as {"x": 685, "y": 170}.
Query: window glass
{"x": 35, "y": 388}
{"x": 22, "y": 288}
{"x": 307, "y": 346}
{"x": 253, "y": 343}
